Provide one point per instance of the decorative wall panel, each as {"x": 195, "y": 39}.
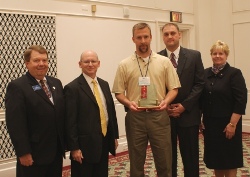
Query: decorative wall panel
{"x": 17, "y": 33}
{"x": 6, "y": 147}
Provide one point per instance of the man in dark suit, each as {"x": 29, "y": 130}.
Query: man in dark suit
{"x": 91, "y": 122}
{"x": 35, "y": 118}
{"x": 184, "y": 111}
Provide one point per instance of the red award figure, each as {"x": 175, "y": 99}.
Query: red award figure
{"x": 143, "y": 92}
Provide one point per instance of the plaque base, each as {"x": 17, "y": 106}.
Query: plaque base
{"x": 147, "y": 108}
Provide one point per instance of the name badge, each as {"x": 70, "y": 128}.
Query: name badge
{"x": 144, "y": 81}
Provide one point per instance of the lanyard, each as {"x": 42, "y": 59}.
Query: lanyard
{"x": 139, "y": 64}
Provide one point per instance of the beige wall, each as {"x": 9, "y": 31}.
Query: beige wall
{"x": 241, "y": 28}
{"x": 108, "y": 32}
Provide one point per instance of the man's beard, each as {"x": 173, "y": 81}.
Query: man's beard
{"x": 143, "y": 49}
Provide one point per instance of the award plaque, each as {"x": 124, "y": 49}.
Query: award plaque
{"x": 148, "y": 98}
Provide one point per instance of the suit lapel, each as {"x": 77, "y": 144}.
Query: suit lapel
{"x": 164, "y": 53}
{"x": 85, "y": 87}
{"x": 37, "y": 88}
{"x": 104, "y": 89}
{"x": 181, "y": 61}
{"x": 52, "y": 89}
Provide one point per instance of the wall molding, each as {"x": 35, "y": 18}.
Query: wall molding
{"x": 115, "y": 11}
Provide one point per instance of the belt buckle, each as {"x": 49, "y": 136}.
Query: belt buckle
{"x": 147, "y": 110}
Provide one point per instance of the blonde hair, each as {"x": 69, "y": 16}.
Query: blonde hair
{"x": 220, "y": 45}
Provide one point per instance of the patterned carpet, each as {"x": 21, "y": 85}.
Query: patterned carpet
{"x": 119, "y": 165}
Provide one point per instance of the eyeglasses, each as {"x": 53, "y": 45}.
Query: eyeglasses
{"x": 91, "y": 61}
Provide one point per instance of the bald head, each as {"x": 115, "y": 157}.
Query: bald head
{"x": 88, "y": 53}
{"x": 89, "y": 63}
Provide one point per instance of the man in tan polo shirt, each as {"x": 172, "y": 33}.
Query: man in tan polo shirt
{"x": 142, "y": 76}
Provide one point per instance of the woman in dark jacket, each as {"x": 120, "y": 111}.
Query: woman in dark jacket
{"x": 223, "y": 103}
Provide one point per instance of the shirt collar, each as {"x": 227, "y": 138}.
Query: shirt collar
{"x": 153, "y": 55}
{"x": 176, "y": 52}
{"x": 89, "y": 79}
{"x": 44, "y": 79}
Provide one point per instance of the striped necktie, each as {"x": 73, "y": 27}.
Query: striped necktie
{"x": 172, "y": 59}
{"x": 46, "y": 90}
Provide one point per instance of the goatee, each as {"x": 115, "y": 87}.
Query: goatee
{"x": 143, "y": 49}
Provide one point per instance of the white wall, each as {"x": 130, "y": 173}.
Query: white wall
{"x": 241, "y": 28}
{"x": 107, "y": 30}
{"x": 213, "y": 22}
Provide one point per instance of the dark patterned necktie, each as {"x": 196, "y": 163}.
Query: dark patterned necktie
{"x": 45, "y": 89}
{"x": 172, "y": 59}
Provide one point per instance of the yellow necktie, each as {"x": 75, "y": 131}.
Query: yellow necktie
{"x": 101, "y": 108}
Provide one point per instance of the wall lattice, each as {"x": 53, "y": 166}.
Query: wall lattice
{"x": 6, "y": 147}
{"x": 17, "y": 33}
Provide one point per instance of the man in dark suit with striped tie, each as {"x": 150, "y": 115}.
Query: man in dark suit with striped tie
{"x": 184, "y": 111}
{"x": 35, "y": 118}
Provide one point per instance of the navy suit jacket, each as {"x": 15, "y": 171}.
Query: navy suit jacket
{"x": 35, "y": 125}
{"x": 83, "y": 123}
{"x": 191, "y": 74}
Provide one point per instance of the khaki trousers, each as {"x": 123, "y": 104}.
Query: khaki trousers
{"x": 154, "y": 127}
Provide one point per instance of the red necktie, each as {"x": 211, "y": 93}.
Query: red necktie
{"x": 172, "y": 59}
{"x": 45, "y": 89}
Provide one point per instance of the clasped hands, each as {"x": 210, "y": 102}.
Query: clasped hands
{"x": 175, "y": 110}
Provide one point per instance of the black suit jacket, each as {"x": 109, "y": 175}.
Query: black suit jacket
{"x": 191, "y": 74}
{"x": 35, "y": 124}
{"x": 225, "y": 93}
{"x": 83, "y": 119}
